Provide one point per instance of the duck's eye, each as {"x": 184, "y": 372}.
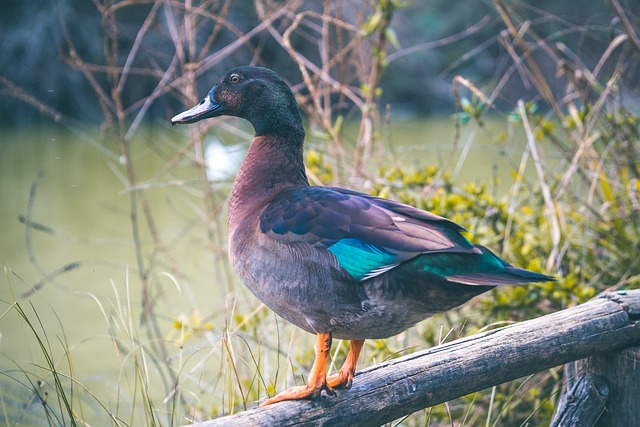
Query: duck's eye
{"x": 234, "y": 78}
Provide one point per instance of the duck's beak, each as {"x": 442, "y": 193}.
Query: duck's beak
{"x": 205, "y": 109}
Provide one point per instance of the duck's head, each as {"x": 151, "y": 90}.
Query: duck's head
{"x": 256, "y": 94}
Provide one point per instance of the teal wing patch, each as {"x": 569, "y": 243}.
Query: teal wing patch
{"x": 362, "y": 260}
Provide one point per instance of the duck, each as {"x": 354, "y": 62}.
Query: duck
{"x": 335, "y": 262}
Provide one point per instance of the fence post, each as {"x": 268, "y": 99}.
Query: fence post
{"x": 620, "y": 371}
{"x": 583, "y": 402}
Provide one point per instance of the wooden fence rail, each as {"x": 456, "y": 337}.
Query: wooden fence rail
{"x": 398, "y": 387}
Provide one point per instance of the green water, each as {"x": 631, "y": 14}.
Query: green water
{"x": 76, "y": 263}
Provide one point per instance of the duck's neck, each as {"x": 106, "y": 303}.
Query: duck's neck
{"x": 272, "y": 164}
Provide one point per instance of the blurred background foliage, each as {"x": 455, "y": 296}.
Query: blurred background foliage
{"x": 557, "y": 80}
{"x": 435, "y": 41}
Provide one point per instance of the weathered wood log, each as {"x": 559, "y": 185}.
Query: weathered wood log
{"x": 402, "y": 386}
{"x": 583, "y": 403}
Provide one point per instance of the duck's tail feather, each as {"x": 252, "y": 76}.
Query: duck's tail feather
{"x": 507, "y": 274}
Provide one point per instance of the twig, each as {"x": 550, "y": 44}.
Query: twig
{"x": 124, "y": 73}
{"x": 17, "y": 92}
{"x": 538, "y": 80}
{"x": 546, "y": 193}
{"x": 626, "y": 24}
{"x": 478, "y": 26}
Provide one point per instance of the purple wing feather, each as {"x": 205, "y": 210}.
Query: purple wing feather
{"x": 322, "y": 216}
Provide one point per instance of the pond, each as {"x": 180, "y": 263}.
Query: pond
{"x": 76, "y": 263}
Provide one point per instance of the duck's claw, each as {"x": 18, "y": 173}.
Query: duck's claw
{"x": 329, "y": 390}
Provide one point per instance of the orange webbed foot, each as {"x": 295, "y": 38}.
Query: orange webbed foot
{"x": 318, "y": 380}
{"x": 317, "y": 377}
{"x": 299, "y": 393}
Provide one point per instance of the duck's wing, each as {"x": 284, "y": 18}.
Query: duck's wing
{"x": 367, "y": 235}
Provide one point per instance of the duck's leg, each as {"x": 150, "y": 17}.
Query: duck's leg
{"x": 317, "y": 377}
{"x": 344, "y": 377}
